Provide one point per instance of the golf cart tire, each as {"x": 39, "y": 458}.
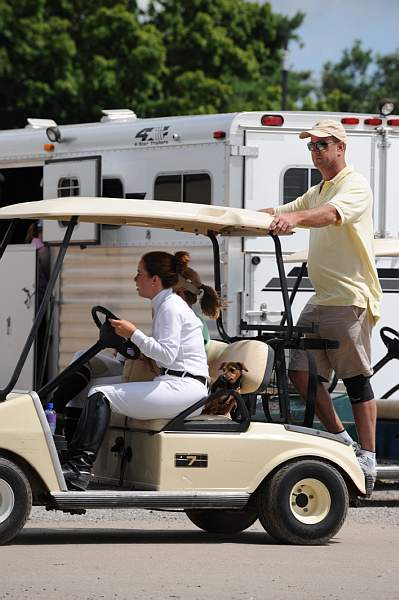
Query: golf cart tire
{"x": 15, "y": 500}
{"x": 222, "y": 521}
{"x": 304, "y": 502}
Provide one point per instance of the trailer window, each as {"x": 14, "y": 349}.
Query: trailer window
{"x": 297, "y": 181}
{"x": 190, "y": 187}
{"x": 68, "y": 186}
{"x": 112, "y": 188}
{"x": 197, "y": 188}
{"x": 168, "y": 187}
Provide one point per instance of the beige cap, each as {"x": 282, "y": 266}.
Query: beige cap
{"x": 325, "y": 128}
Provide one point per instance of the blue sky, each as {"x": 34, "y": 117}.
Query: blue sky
{"x": 332, "y": 25}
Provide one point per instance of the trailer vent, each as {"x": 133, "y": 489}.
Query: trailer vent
{"x": 40, "y": 123}
{"x": 118, "y": 114}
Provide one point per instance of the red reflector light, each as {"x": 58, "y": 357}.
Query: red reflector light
{"x": 394, "y": 122}
{"x": 273, "y": 120}
{"x": 350, "y": 121}
{"x": 219, "y": 135}
{"x": 373, "y": 121}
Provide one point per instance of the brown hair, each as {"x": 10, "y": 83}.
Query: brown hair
{"x": 190, "y": 287}
{"x": 162, "y": 264}
{"x": 33, "y": 231}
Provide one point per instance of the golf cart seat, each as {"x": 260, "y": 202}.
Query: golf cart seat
{"x": 256, "y": 356}
{"x": 388, "y": 409}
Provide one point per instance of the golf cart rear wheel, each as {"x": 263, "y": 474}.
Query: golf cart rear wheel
{"x": 222, "y": 521}
{"x": 304, "y": 502}
{"x": 15, "y": 500}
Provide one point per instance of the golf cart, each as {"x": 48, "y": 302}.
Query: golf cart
{"x": 223, "y": 472}
{"x": 387, "y": 430}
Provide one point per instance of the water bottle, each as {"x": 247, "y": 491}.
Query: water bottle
{"x": 51, "y": 416}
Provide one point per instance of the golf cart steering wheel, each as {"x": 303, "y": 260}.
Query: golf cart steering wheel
{"x": 108, "y": 336}
{"x": 391, "y": 343}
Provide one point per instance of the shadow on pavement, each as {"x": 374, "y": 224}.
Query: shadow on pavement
{"x": 45, "y": 536}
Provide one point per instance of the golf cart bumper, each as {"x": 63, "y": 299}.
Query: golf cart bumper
{"x": 25, "y": 433}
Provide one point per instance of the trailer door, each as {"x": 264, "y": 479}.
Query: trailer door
{"x": 17, "y": 312}
{"x": 71, "y": 177}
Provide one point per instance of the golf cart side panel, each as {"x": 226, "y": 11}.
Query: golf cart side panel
{"x": 240, "y": 461}
{"x": 21, "y": 433}
{"x": 144, "y": 469}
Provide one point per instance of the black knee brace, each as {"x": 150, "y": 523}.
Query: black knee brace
{"x": 359, "y": 389}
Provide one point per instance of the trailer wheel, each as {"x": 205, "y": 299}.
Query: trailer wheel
{"x": 222, "y": 521}
{"x": 15, "y": 500}
{"x": 305, "y": 502}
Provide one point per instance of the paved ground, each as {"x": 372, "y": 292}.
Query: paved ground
{"x": 122, "y": 555}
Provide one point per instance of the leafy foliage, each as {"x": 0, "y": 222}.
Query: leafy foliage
{"x": 358, "y": 81}
{"x": 221, "y": 55}
{"x": 68, "y": 59}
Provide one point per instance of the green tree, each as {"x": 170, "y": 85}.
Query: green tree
{"x": 36, "y": 63}
{"x": 66, "y": 59}
{"x": 222, "y": 55}
{"x": 357, "y": 81}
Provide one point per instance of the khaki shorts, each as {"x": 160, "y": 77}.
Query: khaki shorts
{"x": 351, "y": 327}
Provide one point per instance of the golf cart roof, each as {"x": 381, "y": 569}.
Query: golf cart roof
{"x": 382, "y": 247}
{"x": 193, "y": 218}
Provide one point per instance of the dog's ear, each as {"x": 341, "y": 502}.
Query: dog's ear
{"x": 243, "y": 367}
{"x": 222, "y": 366}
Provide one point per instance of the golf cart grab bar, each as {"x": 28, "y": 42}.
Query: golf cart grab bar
{"x": 7, "y": 236}
{"x": 42, "y": 310}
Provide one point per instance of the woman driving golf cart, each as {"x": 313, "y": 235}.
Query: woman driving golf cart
{"x": 177, "y": 347}
{"x": 113, "y": 369}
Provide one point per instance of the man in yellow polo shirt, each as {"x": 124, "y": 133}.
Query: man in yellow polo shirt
{"x": 342, "y": 269}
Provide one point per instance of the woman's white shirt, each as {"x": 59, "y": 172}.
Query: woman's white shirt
{"x": 176, "y": 342}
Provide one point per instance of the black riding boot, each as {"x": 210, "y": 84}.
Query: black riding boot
{"x": 71, "y": 420}
{"x": 90, "y": 431}
{"x": 67, "y": 390}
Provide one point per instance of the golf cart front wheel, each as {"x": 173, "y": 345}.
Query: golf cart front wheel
{"x": 304, "y": 502}
{"x": 15, "y": 500}
{"x": 222, "y": 521}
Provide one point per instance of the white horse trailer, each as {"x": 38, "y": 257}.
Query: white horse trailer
{"x": 243, "y": 160}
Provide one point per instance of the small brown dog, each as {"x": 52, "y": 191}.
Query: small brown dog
{"x": 230, "y": 379}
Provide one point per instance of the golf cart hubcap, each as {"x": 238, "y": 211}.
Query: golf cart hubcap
{"x": 6, "y": 500}
{"x": 310, "y": 501}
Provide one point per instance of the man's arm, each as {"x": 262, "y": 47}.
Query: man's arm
{"x": 313, "y": 217}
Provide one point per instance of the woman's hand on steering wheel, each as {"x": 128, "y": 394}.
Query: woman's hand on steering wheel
{"x": 123, "y": 328}
{"x": 110, "y": 337}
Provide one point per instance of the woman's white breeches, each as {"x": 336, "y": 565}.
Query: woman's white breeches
{"x": 163, "y": 398}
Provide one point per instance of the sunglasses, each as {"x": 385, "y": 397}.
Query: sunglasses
{"x": 320, "y": 145}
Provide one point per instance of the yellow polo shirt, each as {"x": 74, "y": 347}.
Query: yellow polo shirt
{"x": 341, "y": 261}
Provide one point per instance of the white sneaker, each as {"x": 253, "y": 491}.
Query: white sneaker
{"x": 368, "y": 466}
{"x": 356, "y": 448}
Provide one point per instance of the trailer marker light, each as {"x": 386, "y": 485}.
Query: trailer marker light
{"x": 373, "y": 121}
{"x": 273, "y": 120}
{"x": 48, "y": 147}
{"x": 394, "y": 122}
{"x": 350, "y": 121}
{"x": 219, "y": 135}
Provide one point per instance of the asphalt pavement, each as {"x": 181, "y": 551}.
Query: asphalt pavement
{"x": 128, "y": 554}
